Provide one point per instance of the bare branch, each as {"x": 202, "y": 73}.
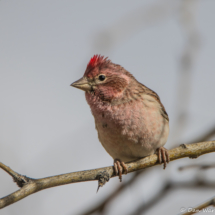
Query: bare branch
{"x": 133, "y": 22}
{"x": 208, "y": 134}
{"x": 199, "y": 166}
{"x": 197, "y": 209}
{"x": 20, "y": 180}
{"x": 184, "y": 79}
{"x": 101, "y": 207}
{"x": 31, "y": 186}
{"x": 170, "y": 187}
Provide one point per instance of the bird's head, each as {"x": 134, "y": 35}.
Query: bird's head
{"x": 104, "y": 79}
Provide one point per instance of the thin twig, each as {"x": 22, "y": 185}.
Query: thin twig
{"x": 34, "y": 185}
{"x": 208, "y": 134}
{"x": 166, "y": 189}
{"x": 201, "y": 207}
{"x": 132, "y": 23}
{"x": 144, "y": 207}
{"x": 199, "y": 166}
{"x": 101, "y": 207}
{"x": 20, "y": 180}
{"x": 184, "y": 79}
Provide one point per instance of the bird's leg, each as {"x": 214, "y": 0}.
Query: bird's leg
{"x": 163, "y": 156}
{"x": 119, "y": 166}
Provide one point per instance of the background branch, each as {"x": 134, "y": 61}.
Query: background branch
{"x": 101, "y": 206}
{"x": 166, "y": 189}
{"x": 206, "y": 204}
{"x": 208, "y": 134}
{"x": 201, "y": 167}
{"x": 34, "y": 185}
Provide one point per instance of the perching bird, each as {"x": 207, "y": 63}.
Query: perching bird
{"x": 130, "y": 119}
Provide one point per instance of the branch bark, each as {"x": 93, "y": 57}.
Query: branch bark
{"x": 103, "y": 204}
{"x": 30, "y": 185}
{"x": 101, "y": 207}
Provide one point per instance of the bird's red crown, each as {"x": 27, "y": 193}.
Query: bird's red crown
{"x": 95, "y": 61}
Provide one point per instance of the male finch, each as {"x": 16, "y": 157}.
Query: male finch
{"x": 130, "y": 119}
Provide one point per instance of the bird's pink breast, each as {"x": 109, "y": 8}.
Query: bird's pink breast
{"x": 130, "y": 130}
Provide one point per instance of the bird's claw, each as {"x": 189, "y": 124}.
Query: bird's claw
{"x": 163, "y": 156}
{"x": 119, "y": 167}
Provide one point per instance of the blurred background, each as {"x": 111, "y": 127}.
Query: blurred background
{"x": 46, "y": 127}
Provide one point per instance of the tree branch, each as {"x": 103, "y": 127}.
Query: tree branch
{"x": 102, "y": 205}
{"x": 20, "y": 180}
{"x": 201, "y": 207}
{"x": 198, "y": 166}
{"x": 30, "y": 186}
{"x": 209, "y": 134}
{"x": 166, "y": 189}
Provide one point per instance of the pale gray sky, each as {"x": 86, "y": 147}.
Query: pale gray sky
{"x": 46, "y": 127}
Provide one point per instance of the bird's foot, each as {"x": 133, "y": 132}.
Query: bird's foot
{"x": 163, "y": 156}
{"x": 119, "y": 166}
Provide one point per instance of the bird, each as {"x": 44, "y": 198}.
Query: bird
{"x": 130, "y": 119}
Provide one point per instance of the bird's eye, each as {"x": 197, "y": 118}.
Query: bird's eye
{"x": 102, "y": 77}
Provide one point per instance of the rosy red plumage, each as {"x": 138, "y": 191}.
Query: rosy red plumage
{"x": 95, "y": 61}
{"x": 130, "y": 118}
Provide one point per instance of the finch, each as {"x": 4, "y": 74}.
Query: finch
{"x": 131, "y": 121}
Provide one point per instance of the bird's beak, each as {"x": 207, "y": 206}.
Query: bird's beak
{"x": 82, "y": 84}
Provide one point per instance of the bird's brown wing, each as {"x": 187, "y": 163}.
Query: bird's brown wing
{"x": 150, "y": 92}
